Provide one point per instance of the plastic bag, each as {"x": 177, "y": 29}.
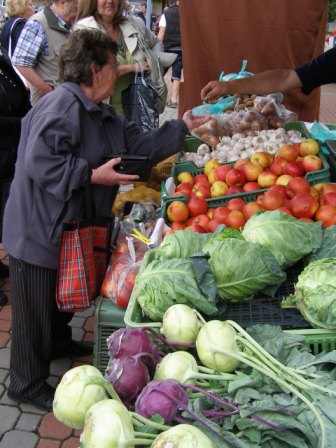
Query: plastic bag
{"x": 213, "y": 109}
{"x": 241, "y": 74}
{"x": 275, "y": 113}
{"x": 139, "y": 102}
{"x": 120, "y": 275}
{"x": 319, "y": 131}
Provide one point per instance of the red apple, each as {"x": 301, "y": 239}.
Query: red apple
{"x": 272, "y": 200}
{"x": 200, "y": 178}
{"x": 185, "y": 188}
{"x": 202, "y": 190}
{"x": 203, "y": 220}
{"x": 286, "y": 210}
{"x": 196, "y": 228}
{"x": 220, "y": 172}
{"x": 266, "y": 179}
{"x": 251, "y": 186}
{"x": 280, "y": 189}
{"x": 288, "y": 152}
{"x": 240, "y": 162}
{"x": 235, "y": 204}
{"x": 303, "y": 205}
{"x": 235, "y": 177}
{"x": 277, "y": 166}
{"x": 234, "y": 190}
{"x": 297, "y": 185}
{"x": 177, "y": 225}
{"x": 251, "y": 171}
{"x": 312, "y": 163}
{"x": 328, "y": 198}
{"x": 177, "y": 211}
{"x": 220, "y": 213}
{"x": 294, "y": 169}
{"x": 326, "y": 214}
{"x": 250, "y": 209}
{"x": 213, "y": 224}
{"x": 197, "y": 206}
{"x": 235, "y": 219}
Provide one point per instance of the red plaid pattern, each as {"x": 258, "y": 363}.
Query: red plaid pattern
{"x": 84, "y": 254}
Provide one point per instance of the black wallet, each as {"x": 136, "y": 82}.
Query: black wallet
{"x": 132, "y": 164}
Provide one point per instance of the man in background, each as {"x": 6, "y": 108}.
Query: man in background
{"x": 143, "y": 11}
{"x": 37, "y": 52}
{"x": 170, "y": 35}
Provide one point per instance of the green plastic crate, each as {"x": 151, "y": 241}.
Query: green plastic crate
{"x": 108, "y": 318}
{"x": 261, "y": 310}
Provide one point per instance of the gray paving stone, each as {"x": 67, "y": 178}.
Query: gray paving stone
{"x": 87, "y": 313}
{"x": 9, "y": 418}
{"x": 3, "y": 375}
{"x": 59, "y": 366}
{"x": 19, "y": 439}
{"x": 77, "y": 322}
{"x": 4, "y": 358}
{"x": 28, "y": 422}
{"x": 77, "y": 334}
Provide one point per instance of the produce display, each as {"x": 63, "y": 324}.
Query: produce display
{"x": 253, "y": 388}
{"x": 188, "y": 374}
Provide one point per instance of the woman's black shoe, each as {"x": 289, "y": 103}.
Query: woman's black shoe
{"x": 43, "y": 400}
{"x": 4, "y": 270}
{"x": 3, "y": 299}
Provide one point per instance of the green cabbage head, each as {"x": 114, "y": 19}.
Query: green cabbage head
{"x": 315, "y": 294}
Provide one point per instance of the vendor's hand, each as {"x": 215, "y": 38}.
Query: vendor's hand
{"x": 192, "y": 121}
{"x": 106, "y": 175}
{"x": 142, "y": 66}
{"x": 214, "y": 90}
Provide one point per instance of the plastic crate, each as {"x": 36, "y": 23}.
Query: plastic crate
{"x": 108, "y": 318}
{"x": 261, "y": 310}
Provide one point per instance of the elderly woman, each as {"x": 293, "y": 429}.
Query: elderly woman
{"x": 127, "y": 32}
{"x": 18, "y": 12}
{"x": 64, "y": 138}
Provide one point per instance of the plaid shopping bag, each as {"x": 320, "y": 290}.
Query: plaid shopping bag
{"x": 83, "y": 258}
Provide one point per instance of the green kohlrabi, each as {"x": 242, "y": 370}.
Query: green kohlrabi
{"x": 242, "y": 269}
{"x": 183, "y": 436}
{"x": 288, "y": 238}
{"x": 79, "y": 389}
{"x": 180, "y": 323}
{"x": 315, "y": 294}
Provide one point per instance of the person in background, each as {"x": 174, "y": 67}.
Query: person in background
{"x": 127, "y": 9}
{"x": 14, "y": 104}
{"x": 143, "y": 11}
{"x": 63, "y": 141}
{"x": 108, "y": 17}
{"x": 18, "y": 12}
{"x": 170, "y": 35}
{"x": 37, "y": 52}
{"x": 319, "y": 71}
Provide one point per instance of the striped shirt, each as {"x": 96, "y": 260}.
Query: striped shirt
{"x": 33, "y": 41}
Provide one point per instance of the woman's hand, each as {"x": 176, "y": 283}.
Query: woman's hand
{"x": 106, "y": 175}
{"x": 142, "y": 66}
{"x": 193, "y": 122}
{"x": 214, "y": 90}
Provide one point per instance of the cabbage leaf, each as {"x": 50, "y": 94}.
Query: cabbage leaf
{"x": 163, "y": 283}
{"x": 182, "y": 244}
{"x": 328, "y": 245}
{"x": 242, "y": 269}
{"x": 315, "y": 294}
{"x": 288, "y": 238}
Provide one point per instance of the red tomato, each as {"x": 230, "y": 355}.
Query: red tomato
{"x": 130, "y": 278}
{"x": 123, "y": 295}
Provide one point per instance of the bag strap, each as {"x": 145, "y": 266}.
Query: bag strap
{"x": 16, "y": 22}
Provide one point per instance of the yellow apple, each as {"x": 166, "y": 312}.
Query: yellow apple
{"x": 210, "y": 165}
{"x": 262, "y": 158}
{"x": 219, "y": 188}
{"x": 309, "y": 146}
{"x": 283, "y": 179}
{"x": 185, "y": 177}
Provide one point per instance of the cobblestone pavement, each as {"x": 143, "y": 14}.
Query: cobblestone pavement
{"x": 23, "y": 426}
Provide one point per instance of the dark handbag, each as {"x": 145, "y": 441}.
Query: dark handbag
{"x": 83, "y": 258}
{"x": 139, "y": 102}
